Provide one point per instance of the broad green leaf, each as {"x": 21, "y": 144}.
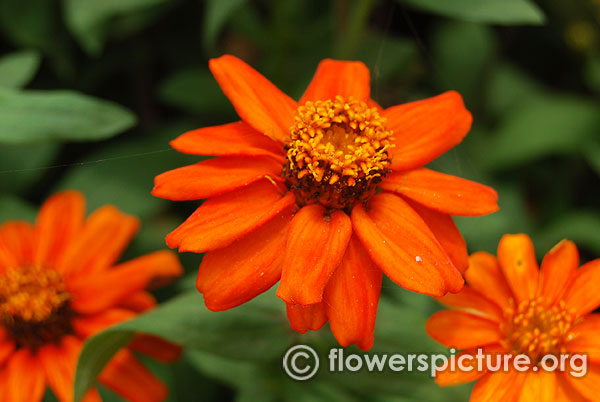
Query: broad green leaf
{"x": 508, "y": 88}
{"x": 501, "y": 12}
{"x": 17, "y": 69}
{"x": 13, "y": 208}
{"x": 36, "y": 116}
{"x": 579, "y": 226}
{"x": 216, "y": 14}
{"x": 22, "y": 165}
{"x": 260, "y": 333}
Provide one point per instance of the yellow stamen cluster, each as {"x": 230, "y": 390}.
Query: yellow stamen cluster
{"x": 534, "y": 329}
{"x": 338, "y": 152}
{"x": 31, "y": 294}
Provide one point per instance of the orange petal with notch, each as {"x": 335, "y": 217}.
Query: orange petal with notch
{"x": 223, "y": 219}
{"x": 316, "y": 243}
{"x": 352, "y": 296}
{"x": 343, "y": 78}
{"x": 427, "y": 128}
{"x": 485, "y": 276}
{"x": 586, "y": 338}
{"x": 16, "y": 244}
{"x": 403, "y": 246}
{"x": 302, "y": 318}
{"x": 241, "y": 271}
{"x": 442, "y": 192}
{"x": 461, "y": 330}
{"x": 558, "y": 268}
{"x": 214, "y": 177}
{"x": 25, "y": 379}
{"x": 256, "y": 100}
{"x": 516, "y": 256}
{"x": 582, "y": 294}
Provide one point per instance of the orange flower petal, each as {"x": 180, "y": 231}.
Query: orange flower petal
{"x": 241, "y": 271}
{"x": 519, "y": 265}
{"x": 95, "y": 293}
{"x": 59, "y": 363}
{"x": 587, "y": 338}
{"x": 449, "y": 377}
{"x": 213, "y": 177}
{"x": 403, "y": 246}
{"x": 539, "y": 387}
{"x": 351, "y": 297}
{"x": 105, "y": 235}
{"x": 302, "y": 318}
{"x": 565, "y": 391}
{"x": 128, "y": 377}
{"x": 58, "y": 223}
{"x": 471, "y": 301}
{"x": 89, "y": 325}
{"x": 558, "y": 268}
{"x": 7, "y": 346}
{"x": 223, "y": 219}
{"x": 315, "y": 246}
{"x": 343, "y": 78}
{"x": 25, "y": 380}
{"x": 156, "y": 347}
{"x": 442, "y": 192}
{"x": 138, "y": 302}
{"x": 427, "y": 128}
{"x": 498, "y": 387}
{"x": 447, "y": 234}
{"x": 460, "y": 330}
{"x": 228, "y": 139}
{"x": 588, "y": 385}
{"x": 582, "y": 294}
{"x": 485, "y": 276}
{"x": 256, "y": 100}
{"x": 16, "y": 244}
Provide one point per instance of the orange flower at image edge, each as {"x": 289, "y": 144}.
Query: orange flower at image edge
{"x": 326, "y": 194}
{"x": 59, "y": 286}
{"x": 511, "y": 306}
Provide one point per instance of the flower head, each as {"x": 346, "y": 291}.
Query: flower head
{"x": 326, "y": 194}
{"x": 511, "y": 307}
{"x": 59, "y": 285}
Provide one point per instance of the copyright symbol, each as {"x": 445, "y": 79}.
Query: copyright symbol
{"x": 301, "y": 362}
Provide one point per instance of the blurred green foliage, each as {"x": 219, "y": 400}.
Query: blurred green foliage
{"x": 92, "y": 91}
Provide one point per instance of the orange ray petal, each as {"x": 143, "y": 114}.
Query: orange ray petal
{"x": 214, "y": 177}
{"x": 59, "y": 363}
{"x": 241, "y": 271}
{"x": 128, "y": 377}
{"x": 588, "y": 385}
{"x": 7, "y": 346}
{"x": 58, "y": 223}
{"x": 25, "y": 379}
{"x": 565, "y": 391}
{"x": 461, "y": 330}
{"x": 105, "y": 235}
{"x": 97, "y": 292}
{"x": 302, "y": 318}
{"x": 449, "y": 377}
{"x": 427, "y": 128}
{"x": 138, "y": 302}
{"x": 16, "y": 244}
{"x": 586, "y": 338}
{"x": 519, "y": 265}
{"x": 228, "y": 139}
{"x": 403, "y": 246}
{"x": 498, "y": 387}
{"x": 539, "y": 387}
{"x": 442, "y": 192}
{"x": 352, "y": 296}
{"x": 447, "y": 234}
{"x": 316, "y": 243}
{"x": 343, "y": 78}
{"x": 156, "y": 347}
{"x": 485, "y": 276}
{"x": 256, "y": 100}
{"x": 223, "y": 219}
{"x": 471, "y": 301}
{"x": 582, "y": 294}
{"x": 558, "y": 268}
{"x": 90, "y": 325}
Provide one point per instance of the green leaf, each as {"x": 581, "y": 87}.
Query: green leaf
{"x": 22, "y": 165}
{"x": 216, "y": 14}
{"x": 508, "y": 88}
{"x": 12, "y": 208}
{"x": 579, "y": 226}
{"x": 501, "y": 12}
{"x": 592, "y": 154}
{"x": 35, "y": 116}
{"x": 17, "y": 69}
{"x": 260, "y": 332}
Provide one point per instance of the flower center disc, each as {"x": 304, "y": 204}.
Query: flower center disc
{"x": 537, "y": 330}
{"x": 34, "y": 305}
{"x": 338, "y": 152}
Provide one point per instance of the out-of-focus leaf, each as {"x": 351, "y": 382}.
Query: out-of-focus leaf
{"x": 14, "y": 208}
{"x": 592, "y": 154}
{"x": 35, "y": 116}
{"x": 90, "y": 21}
{"x": 592, "y": 72}
{"x": 545, "y": 126}
{"x": 502, "y": 12}
{"x": 21, "y": 165}
{"x": 387, "y": 58}
{"x": 260, "y": 333}
{"x": 508, "y": 88}
{"x": 17, "y": 69}
{"x": 216, "y": 14}
{"x": 578, "y": 226}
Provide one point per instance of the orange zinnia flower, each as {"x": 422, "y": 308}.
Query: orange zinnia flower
{"x": 511, "y": 306}
{"x": 59, "y": 286}
{"x": 324, "y": 193}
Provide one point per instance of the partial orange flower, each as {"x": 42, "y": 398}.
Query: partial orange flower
{"x": 59, "y": 285}
{"x": 511, "y": 306}
{"x": 325, "y": 194}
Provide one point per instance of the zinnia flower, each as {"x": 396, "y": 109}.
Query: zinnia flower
{"x": 325, "y": 194}
{"x": 59, "y": 285}
{"x": 510, "y": 306}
